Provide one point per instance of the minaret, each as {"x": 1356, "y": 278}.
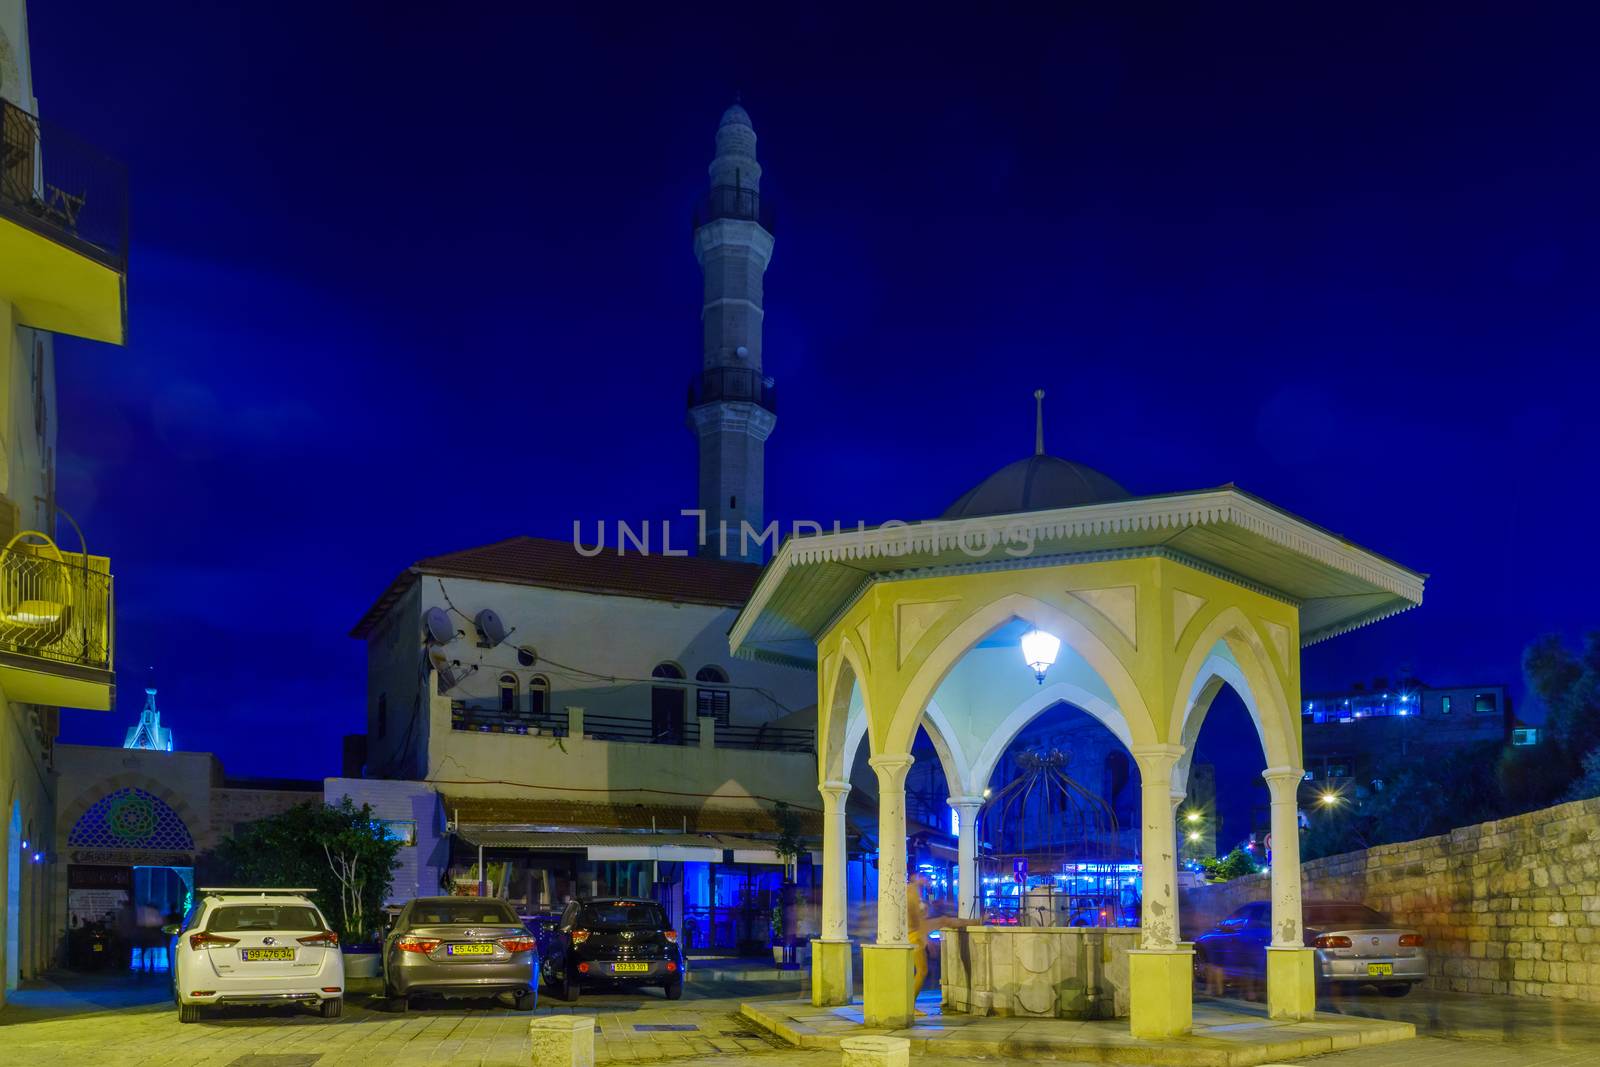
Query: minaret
{"x": 149, "y": 734}
{"x": 732, "y": 406}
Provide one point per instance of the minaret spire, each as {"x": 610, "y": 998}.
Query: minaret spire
{"x": 1038, "y": 422}
{"x": 731, "y": 402}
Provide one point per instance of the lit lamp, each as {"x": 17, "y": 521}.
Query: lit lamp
{"x": 1039, "y": 651}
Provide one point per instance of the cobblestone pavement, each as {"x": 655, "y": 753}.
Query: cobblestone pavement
{"x": 123, "y": 1024}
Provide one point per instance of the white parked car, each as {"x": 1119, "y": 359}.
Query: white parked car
{"x": 255, "y": 946}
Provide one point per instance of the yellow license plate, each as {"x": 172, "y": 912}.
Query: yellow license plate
{"x": 99, "y": 948}
{"x": 469, "y": 950}
{"x": 268, "y": 955}
{"x": 1380, "y": 968}
{"x": 630, "y": 968}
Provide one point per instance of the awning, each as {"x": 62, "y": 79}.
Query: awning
{"x": 671, "y": 848}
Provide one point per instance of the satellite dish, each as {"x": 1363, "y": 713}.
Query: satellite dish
{"x": 438, "y": 658}
{"x": 527, "y": 656}
{"x": 437, "y": 622}
{"x": 491, "y": 630}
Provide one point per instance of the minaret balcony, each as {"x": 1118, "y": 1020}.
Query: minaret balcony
{"x": 733, "y": 202}
{"x": 733, "y": 385}
{"x": 63, "y": 230}
{"x": 56, "y": 625}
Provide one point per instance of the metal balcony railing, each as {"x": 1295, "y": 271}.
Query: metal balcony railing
{"x": 63, "y": 188}
{"x": 486, "y": 716}
{"x": 733, "y": 383}
{"x": 733, "y": 202}
{"x": 55, "y": 606}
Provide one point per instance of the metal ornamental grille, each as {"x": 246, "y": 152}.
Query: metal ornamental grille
{"x": 131, "y": 818}
{"x": 59, "y": 185}
{"x": 54, "y": 609}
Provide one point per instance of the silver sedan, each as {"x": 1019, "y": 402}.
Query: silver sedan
{"x": 461, "y": 947}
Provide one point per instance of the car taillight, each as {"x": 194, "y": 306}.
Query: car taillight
{"x": 199, "y": 941}
{"x": 1332, "y": 941}
{"x": 327, "y": 937}
{"x": 517, "y": 944}
{"x": 579, "y": 937}
{"x": 671, "y": 935}
{"x": 583, "y": 968}
{"x": 1411, "y": 940}
{"x": 417, "y": 944}
{"x": 671, "y": 967}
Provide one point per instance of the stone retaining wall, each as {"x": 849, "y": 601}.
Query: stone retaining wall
{"x": 1510, "y": 907}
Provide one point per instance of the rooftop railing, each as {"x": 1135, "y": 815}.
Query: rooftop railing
{"x": 733, "y": 202}
{"x": 489, "y": 717}
{"x": 62, "y": 187}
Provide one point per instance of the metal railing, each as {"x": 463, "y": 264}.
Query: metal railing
{"x": 62, "y": 187}
{"x": 766, "y": 738}
{"x": 733, "y": 383}
{"x": 56, "y": 609}
{"x": 733, "y": 202}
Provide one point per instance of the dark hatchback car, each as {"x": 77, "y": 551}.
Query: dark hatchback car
{"x": 616, "y": 941}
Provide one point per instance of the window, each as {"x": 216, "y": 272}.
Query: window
{"x": 1444, "y": 705}
{"x": 667, "y": 705}
{"x": 1484, "y": 704}
{"x": 401, "y": 830}
{"x": 1525, "y": 735}
{"x": 508, "y": 693}
{"x": 1338, "y": 767}
{"x": 232, "y": 919}
{"x": 538, "y": 695}
{"x": 710, "y": 699}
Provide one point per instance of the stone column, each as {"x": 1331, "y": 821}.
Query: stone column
{"x": 887, "y": 997}
{"x": 966, "y": 809}
{"x": 1291, "y": 966}
{"x": 1160, "y": 971}
{"x": 831, "y": 978}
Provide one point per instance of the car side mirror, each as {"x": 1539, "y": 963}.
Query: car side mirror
{"x": 171, "y": 929}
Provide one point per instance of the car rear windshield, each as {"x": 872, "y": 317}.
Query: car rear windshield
{"x": 466, "y": 910}
{"x": 233, "y": 918}
{"x": 622, "y": 917}
{"x": 1325, "y": 915}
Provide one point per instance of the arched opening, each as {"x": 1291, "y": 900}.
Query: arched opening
{"x": 668, "y": 703}
{"x": 539, "y": 696}
{"x": 711, "y": 695}
{"x": 1058, "y": 833}
{"x": 14, "y": 897}
{"x": 508, "y": 694}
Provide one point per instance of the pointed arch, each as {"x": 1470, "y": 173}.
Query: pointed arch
{"x": 1249, "y": 668}
{"x": 1037, "y": 704}
{"x": 839, "y": 732}
{"x": 947, "y": 743}
{"x": 1059, "y": 619}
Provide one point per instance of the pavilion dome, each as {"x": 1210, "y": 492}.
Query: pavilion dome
{"x": 1038, "y": 483}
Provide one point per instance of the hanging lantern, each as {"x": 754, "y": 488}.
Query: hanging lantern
{"x": 1039, "y": 651}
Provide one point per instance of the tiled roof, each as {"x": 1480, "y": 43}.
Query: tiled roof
{"x": 551, "y": 564}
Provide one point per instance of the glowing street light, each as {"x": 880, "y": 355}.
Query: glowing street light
{"x": 1194, "y": 835}
{"x": 1329, "y": 798}
{"x": 1193, "y": 816}
{"x": 1039, "y": 651}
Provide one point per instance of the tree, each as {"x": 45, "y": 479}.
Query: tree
{"x": 339, "y": 851}
{"x": 1587, "y": 784}
{"x": 1568, "y": 685}
{"x": 1235, "y": 864}
{"x": 790, "y": 839}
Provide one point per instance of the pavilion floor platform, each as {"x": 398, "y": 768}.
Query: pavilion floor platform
{"x": 1225, "y": 1035}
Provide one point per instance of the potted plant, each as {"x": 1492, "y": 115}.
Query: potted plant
{"x": 786, "y": 943}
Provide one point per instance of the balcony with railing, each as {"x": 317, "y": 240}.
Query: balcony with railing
{"x": 733, "y": 202}
{"x": 56, "y": 625}
{"x": 490, "y": 716}
{"x": 63, "y": 228}
{"x": 737, "y": 384}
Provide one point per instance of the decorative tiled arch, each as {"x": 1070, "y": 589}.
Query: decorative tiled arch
{"x": 131, "y": 818}
{"x": 74, "y": 815}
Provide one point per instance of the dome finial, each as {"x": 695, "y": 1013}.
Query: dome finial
{"x": 1038, "y": 422}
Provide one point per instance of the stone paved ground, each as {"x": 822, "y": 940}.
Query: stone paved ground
{"x": 130, "y": 1025}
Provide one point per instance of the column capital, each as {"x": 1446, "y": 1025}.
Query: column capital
{"x": 833, "y": 793}
{"x": 964, "y": 801}
{"x": 1178, "y": 797}
{"x": 891, "y": 768}
{"x": 1278, "y": 777}
{"x": 1163, "y": 757}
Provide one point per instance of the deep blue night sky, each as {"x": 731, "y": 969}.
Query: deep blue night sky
{"x": 404, "y": 282}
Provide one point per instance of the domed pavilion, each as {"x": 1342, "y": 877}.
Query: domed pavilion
{"x": 1049, "y": 582}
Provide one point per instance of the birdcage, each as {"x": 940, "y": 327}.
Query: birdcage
{"x": 1050, "y": 851}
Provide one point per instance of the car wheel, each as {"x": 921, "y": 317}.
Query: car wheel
{"x": 525, "y": 999}
{"x": 569, "y": 988}
{"x": 1399, "y": 990}
{"x": 332, "y": 1007}
{"x": 188, "y": 1013}
{"x": 674, "y": 989}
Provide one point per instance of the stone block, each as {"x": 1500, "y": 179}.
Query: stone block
{"x": 831, "y": 977}
{"x": 874, "y": 1052}
{"x": 887, "y": 997}
{"x": 1162, "y": 982}
{"x": 562, "y": 1041}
